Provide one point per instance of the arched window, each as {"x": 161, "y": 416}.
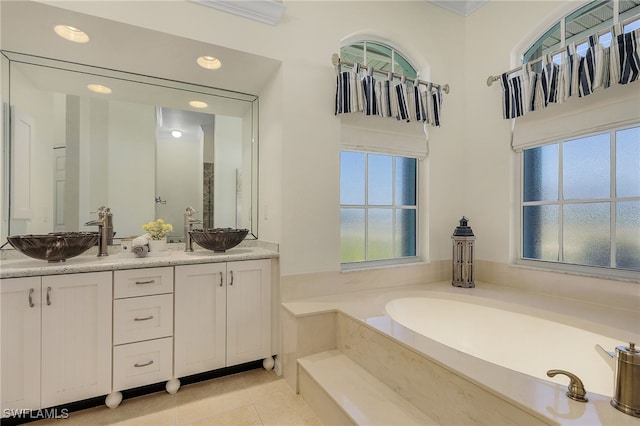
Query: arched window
{"x": 378, "y": 56}
{"x": 597, "y": 16}
{"x": 378, "y": 190}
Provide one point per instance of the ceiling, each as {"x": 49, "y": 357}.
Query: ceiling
{"x": 27, "y": 27}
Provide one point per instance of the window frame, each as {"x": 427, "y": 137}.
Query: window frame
{"x": 629, "y": 19}
{"x": 559, "y": 265}
{"x": 393, "y": 261}
{"x": 394, "y": 62}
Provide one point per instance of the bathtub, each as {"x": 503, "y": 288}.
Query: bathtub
{"x": 525, "y": 343}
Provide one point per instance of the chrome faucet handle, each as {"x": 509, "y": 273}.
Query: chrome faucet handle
{"x": 576, "y": 390}
{"x": 101, "y": 209}
{"x": 189, "y": 211}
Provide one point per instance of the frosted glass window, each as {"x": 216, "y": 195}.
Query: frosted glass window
{"x": 628, "y": 235}
{"x": 405, "y": 181}
{"x": 352, "y": 178}
{"x": 378, "y": 207}
{"x": 405, "y": 233}
{"x": 586, "y": 234}
{"x": 541, "y": 173}
{"x": 586, "y": 168}
{"x": 541, "y": 232}
{"x": 581, "y": 201}
{"x": 380, "y": 175}
{"x": 352, "y": 235}
{"x": 380, "y": 235}
{"x": 628, "y": 162}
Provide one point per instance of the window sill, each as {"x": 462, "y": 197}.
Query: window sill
{"x": 383, "y": 264}
{"x": 580, "y": 270}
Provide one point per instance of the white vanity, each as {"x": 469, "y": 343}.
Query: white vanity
{"x": 90, "y": 327}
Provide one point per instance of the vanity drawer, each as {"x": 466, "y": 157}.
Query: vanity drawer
{"x": 142, "y": 318}
{"x": 142, "y": 363}
{"x": 142, "y": 282}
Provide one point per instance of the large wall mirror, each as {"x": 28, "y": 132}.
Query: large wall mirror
{"x": 147, "y": 149}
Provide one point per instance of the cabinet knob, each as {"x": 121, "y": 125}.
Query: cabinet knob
{"x": 231, "y": 273}
{"x": 221, "y": 279}
{"x": 48, "y": 296}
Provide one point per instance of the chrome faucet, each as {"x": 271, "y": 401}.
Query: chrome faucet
{"x": 189, "y": 221}
{"x": 105, "y": 228}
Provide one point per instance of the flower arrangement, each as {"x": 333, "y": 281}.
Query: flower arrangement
{"x": 158, "y": 229}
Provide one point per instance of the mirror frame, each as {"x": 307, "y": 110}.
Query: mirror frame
{"x": 10, "y": 57}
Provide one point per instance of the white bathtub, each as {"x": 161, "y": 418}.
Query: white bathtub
{"x": 524, "y": 343}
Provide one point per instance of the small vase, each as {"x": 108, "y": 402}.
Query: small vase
{"x": 157, "y": 245}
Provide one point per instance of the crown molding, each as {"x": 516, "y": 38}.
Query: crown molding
{"x": 460, "y": 7}
{"x": 265, "y": 11}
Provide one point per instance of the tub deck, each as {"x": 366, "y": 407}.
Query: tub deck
{"x": 541, "y": 397}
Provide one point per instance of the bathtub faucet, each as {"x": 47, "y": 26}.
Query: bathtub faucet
{"x": 576, "y": 389}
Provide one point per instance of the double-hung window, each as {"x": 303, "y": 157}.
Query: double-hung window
{"x": 378, "y": 208}
{"x": 581, "y": 201}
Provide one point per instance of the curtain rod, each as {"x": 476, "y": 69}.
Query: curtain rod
{"x": 335, "y": 60}
{"x": 492, "y": 78}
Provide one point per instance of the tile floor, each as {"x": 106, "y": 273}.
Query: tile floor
{"x": 255, "y": 397}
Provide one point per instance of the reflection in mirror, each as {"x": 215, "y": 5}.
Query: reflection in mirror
{"x": 142, "y": 150}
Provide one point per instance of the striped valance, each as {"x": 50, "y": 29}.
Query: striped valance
{"x": 525, "y": 90}
{"x": 413, "y": 101}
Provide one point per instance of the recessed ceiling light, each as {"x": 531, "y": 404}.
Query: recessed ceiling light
{"x": 209, "y": 62}
{"x": 99, "y": 89}
{"x": 198, "y": 104}
{"x": 176, "y": 133}
{"x": 71, "y": 33}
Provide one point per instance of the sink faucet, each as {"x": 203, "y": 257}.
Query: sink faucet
{"x": 105, "y": 227}
{"x": 189, "y": 221}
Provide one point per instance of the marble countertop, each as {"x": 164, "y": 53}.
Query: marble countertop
{"x": 18, "y": 265}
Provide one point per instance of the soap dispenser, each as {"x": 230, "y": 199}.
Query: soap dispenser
{"x": 626, "y": 395}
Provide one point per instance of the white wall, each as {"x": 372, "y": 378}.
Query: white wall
{"x": 179, "y": 173}
{"x": 469, "y": 170}
{"x": 228, "y": 159}
{"x": 38, "y": 105}
{"x": 299, "y": 186}
{"x": 131, "y": 154}
{"x": 491, "y": 202}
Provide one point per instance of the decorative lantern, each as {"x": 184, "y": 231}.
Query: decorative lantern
{"x": 463, "y": 239}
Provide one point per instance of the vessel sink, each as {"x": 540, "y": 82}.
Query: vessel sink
{"x": 54, "y": 247}
{"x": 218, "y": 239}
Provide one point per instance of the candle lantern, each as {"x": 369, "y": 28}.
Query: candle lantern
{"x": 463, "y": 239}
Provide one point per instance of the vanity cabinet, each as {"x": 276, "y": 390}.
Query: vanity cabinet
{"x": 20, "y": 321}
{"x": 56, "y": 339}
{"x": 222, "y": 315}
{"x": 142, "y": 329}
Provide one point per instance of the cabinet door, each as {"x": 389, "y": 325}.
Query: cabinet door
{"x": 248, "y": 311}
{"x": 200, "y": 318}
{"x": 20, "y": 334}
{"x": 76, "y": 337}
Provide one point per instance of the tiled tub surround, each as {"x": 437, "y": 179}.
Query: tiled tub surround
{"x": 450, "y": 386}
